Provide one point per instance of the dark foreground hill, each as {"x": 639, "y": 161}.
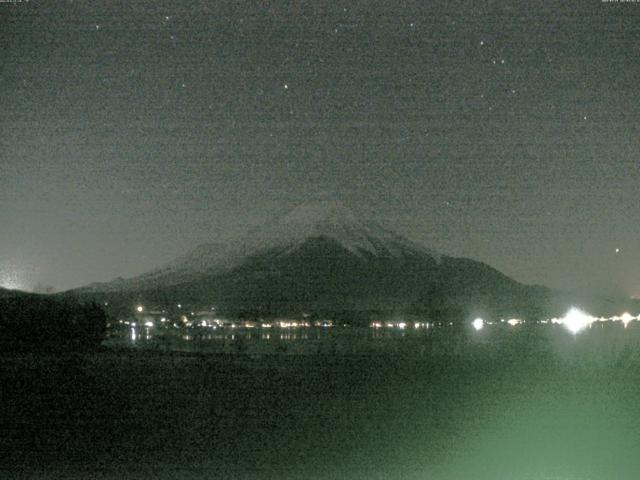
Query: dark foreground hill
{"x": 30, "y": 322}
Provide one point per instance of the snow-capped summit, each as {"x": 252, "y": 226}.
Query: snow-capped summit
{"x": 331, "y": 219}
{"x": 318, "y": 219}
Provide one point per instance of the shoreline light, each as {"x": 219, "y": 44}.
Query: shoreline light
{"x": 478, "y": 323}
{"x": 576, "y": 320}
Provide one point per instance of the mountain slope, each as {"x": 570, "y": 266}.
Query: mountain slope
{"x": 327, "y": 219}
{"x": 322, "y": 259}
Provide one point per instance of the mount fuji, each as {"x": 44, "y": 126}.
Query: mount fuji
{"x": 322, "y": 259}
{"x": 326, "y": 219}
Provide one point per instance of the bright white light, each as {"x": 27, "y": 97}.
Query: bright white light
{"x": 626, "y": 318}
{"x": 513, "y": 322}
{"x": 148, "y": 324}
{"x": 576, "y": 320}
{"x": 478, "y": 323}
{"x": 402, "y": 325}
{"x": 140, "y": 308}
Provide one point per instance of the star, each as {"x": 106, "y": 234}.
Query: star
{"x": 481, "y": 42}
{"x": 617, "y": 250}
{"x": 286, "y": 86}
{"x": 97, "y": 27}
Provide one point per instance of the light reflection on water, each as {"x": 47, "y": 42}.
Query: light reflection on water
{"x": 251, "y": 340}
{"x": 148, "y": 333}
{"x": 598, "y": 343}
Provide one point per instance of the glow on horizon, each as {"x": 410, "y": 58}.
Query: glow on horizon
{"x": 12, "y": 278}
{"x": 10, "y": 284}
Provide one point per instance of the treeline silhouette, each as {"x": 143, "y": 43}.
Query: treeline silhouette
{"x": 40, "y": 323}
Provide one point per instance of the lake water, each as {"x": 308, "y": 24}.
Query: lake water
{"x": 601, "y": 342}
{"x": 446, "y": 404}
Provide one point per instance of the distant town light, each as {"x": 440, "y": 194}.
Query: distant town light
{"x": 626, "y": 318}
{"x": 576, "y": 320}
{"x": 148, "y": 324}
{"x": 140, "y": 309}
{"x": 478, "y": 323}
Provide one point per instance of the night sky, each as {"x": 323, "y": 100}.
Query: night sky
{"x": 132, "y": 131}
